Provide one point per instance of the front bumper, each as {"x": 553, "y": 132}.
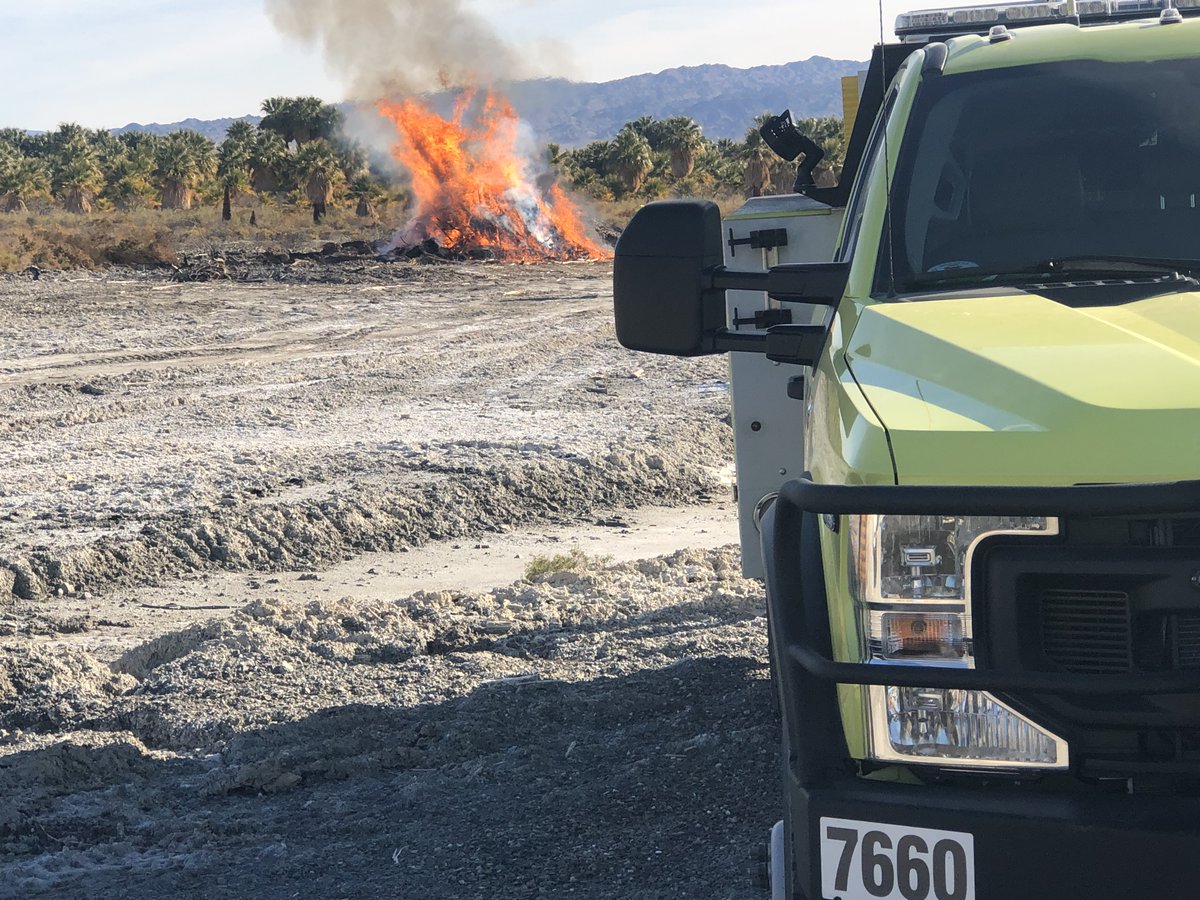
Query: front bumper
{"x": 1087, "y": 844}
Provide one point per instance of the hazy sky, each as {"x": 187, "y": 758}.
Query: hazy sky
{"x": 105, "y": 63}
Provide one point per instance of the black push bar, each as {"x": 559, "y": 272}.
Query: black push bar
{"x": 920, "y": 500}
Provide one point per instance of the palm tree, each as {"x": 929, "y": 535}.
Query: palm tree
{"x": 306, "y": 112}
{"x": 182, "y": 160}
{"x": 241, "y": 134}
{"x": 129, "y": 175}
{"x": 585, "y": 165}
{"x": 268, "y": 162}
{"x": 300, "y": 119}
{"x": 683, "y": 140}
{"x": 79, "y": 180}
{"x": 174, "y": 170}
{"x": 14, "y": 138}
{"x": 233, "y": 172}
{"x": 630, "y": 158}
{"x": 21, "y": 179}
{"x": 39, "y": 146}
{"x": 317, "y": 120}
{"x": 140, "y": 145}
{"x": 76, "y": 176}
{"x": 317, "y": 165}
{"x": 234, "y": 163}
{"x": 279, "y": 116}
{"x": 70, "y": 133}
{"x": 758, "y": 159}
{"x": 108, "y": 146}
{"x": 829, "y": 133}
{"x": 643, "y": 125}
{"x": 128, "y": 184}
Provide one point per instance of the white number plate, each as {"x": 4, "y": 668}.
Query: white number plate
{"x": 871, "y": 861}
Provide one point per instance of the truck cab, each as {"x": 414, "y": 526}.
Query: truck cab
{"x": 966, "y": 388}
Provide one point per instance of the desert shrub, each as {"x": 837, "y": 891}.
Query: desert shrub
{"x": 543, "y": 566}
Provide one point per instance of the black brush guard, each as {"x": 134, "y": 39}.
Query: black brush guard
{"x": 1033, "y": 844}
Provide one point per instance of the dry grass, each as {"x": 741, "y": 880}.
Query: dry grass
{"x": 55, "y": 239}
{"x": 541, "y": 567}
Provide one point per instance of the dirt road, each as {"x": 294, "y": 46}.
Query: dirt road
{"x": 262, "y": 628}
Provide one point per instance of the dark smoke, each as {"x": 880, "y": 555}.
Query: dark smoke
{"x": 395, "y": 48}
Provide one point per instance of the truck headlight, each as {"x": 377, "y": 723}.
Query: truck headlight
{"x": 911, "y": 581}
{"x": 970, "y": 729}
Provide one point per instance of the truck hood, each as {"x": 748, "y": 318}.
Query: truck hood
{"x": 1009, "y": 387}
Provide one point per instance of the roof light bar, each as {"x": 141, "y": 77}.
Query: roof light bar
{"x": 934, "y": 24}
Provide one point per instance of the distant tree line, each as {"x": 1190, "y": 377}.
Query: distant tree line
{"x": 300, "y": 153}
{"x": 651, "y": 158}
{"x": 297, "y": 152}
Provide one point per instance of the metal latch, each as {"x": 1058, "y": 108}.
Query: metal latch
{"x": 763, "y": 318}
{"x": 767, "y": 239}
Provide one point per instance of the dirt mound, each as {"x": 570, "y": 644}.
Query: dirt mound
{"x": 43, "y": 690}
{"x": 318, "y": 532}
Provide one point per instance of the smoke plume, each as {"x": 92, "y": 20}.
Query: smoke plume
{"x": 395, "y": 48}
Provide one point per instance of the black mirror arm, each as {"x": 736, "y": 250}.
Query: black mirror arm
{"x": 798, "y": 345}
{"x": 727, "y": 341}
{"x": 820, "y": 284}
{"x": 816, "y": 284}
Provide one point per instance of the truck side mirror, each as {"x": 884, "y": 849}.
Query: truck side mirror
{"x": 669, "y": 289}
{"x": 661, "y": 290}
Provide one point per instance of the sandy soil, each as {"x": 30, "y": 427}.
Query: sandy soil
{"x": 263, "y": 626}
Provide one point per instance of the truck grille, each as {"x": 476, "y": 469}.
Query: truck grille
{"x": 1091, "y": 632}
{"x": 1115, "y": 597}
{"x": 1185, "y": 532}
{"x": 1187, "y": 642}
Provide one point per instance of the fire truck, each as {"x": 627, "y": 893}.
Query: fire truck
{"x": 966, "y": 396}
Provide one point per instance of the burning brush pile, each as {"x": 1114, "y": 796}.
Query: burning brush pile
{"x": 479, "y": 191}
{"x": 476, "y": 195}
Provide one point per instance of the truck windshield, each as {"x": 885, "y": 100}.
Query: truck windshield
{"x": 1012, "y": 175}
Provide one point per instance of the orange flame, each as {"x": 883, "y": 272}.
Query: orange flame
{"x": 474, "y": 190}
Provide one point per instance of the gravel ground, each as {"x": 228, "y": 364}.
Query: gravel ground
{"x": 210, "y": 687}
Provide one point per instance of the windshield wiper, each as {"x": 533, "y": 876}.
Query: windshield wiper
{"x": 1098, "y": 264}
{"x": 967, "y": 277}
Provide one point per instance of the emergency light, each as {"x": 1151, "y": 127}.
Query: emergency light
{"x": 934, "y": 24}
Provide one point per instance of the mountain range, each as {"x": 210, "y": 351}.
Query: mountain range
{"x": 723, "y": 99}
